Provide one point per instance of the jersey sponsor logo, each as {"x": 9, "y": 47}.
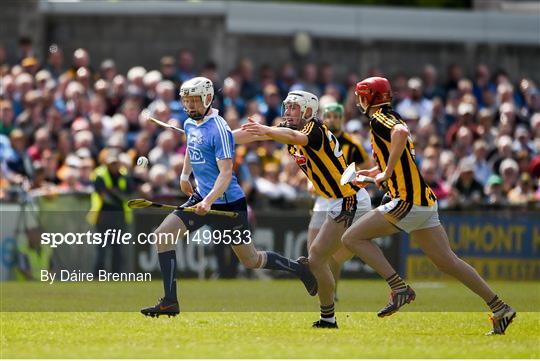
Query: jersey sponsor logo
{"x": 196, "y": 156}
{"x": 195, "y": 139}
{"x": 299, "y": 159}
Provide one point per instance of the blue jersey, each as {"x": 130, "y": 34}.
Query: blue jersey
{"x": 207, "y": 142}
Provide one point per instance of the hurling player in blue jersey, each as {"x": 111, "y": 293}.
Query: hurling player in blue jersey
{"x": 209, "y": 157}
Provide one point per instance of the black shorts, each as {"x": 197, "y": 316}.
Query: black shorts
{"x": 193, "y": 221}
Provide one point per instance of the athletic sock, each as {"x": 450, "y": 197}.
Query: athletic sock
{"x": 327, "y": 313}
{"x": 167, "y": 263}
{"x": 496, "y": 304}
{"x": 396, "y": 283}
{"x": 276, "y": 261}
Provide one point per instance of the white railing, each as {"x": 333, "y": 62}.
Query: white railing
{"x": 333, "y": 21}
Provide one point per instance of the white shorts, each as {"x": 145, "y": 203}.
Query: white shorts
{"x": 332, "y": 207}
{"x": 409, "y": 217}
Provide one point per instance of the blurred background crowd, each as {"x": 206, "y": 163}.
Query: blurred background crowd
{"x": 476, "y": 131}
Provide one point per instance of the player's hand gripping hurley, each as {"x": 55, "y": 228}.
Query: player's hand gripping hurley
{"x": 349, "y": 175}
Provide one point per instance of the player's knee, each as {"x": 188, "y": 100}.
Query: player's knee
{"x": 163, "y": 239}
{"x": 164, "y": 245}
{"x": 250, "y": 262}
{"x": 339, "y": 259}
{"x": 348, "y": 240}
{"x": 316, "y": 258}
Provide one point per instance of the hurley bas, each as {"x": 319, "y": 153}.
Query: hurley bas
{"x": 102, "y": 276}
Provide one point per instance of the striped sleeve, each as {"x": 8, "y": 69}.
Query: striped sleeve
{"x": 314, "y": 134}
{"x": 382, "y": 126}
{"x": 223, "y": 140}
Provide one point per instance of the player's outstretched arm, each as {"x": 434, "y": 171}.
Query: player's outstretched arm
{"x": 242, "y": 137}
{"x": 279, "y": 134}
{"x": 220, "y": 186}
{"x": 287, "y": 136}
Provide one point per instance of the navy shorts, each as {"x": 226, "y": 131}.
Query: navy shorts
{"x": 193, "y": 221}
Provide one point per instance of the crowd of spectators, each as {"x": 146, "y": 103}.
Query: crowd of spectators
{"x": 476, "y": 131}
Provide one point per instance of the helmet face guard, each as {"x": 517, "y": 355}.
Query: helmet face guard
{"x": 290, "y": 122}
{"x": 371, "y": 92}
{"x": 201, "y": 87}
{"x": 363, "y": 99}
{"x": 305, "y": 101}
{"x": 195, "y": 114}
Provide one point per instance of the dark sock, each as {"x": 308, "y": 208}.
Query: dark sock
{"x": 276, "y": 261}
{"x": 496, "y": 304}
{"x": 327, "y": 313}
{"x": 396, "y": 283}
{"x": 167, "y": 263}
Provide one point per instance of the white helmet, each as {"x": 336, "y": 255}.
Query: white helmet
{"x": 304, "y": 100}
{"x": 198, "y": 86}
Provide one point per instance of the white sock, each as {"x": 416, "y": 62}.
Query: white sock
{"x": 329, "y": 319}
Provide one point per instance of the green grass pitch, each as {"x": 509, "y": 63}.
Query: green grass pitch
{"x": 259, "y": 319}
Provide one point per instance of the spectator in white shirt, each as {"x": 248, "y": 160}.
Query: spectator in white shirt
{"x": 421, "y": 105}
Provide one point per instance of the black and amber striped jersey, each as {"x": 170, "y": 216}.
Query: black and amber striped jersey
{"x": 322, "y": 161}
{"x": 406, "y": 183}
{"x": 353, "y": 151}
